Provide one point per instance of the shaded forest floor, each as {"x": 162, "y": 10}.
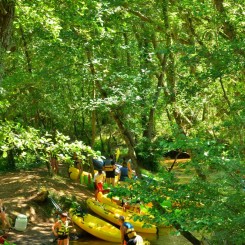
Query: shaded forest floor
{"x": 17, "y": 190}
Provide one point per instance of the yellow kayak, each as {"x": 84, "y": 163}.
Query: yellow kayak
{"x": 73, "y": 173}
{"x": 104, "y": 199}
{"x": 115, "y": 202}
{"x": 96, "y": 227}
{"x": 112, "y": 214}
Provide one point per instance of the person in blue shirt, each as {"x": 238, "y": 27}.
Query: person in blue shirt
{"x": 123, "y": 174}
{"x": 128, "y": 234}
{"x": 127, "y": 230}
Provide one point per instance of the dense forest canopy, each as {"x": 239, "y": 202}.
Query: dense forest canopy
{"x": 146, "y": 76}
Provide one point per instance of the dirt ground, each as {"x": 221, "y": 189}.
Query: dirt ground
{"x": 17, "y": 190}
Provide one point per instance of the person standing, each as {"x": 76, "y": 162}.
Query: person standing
{"x": 78, "y": 165}
{"x": 127, "y": 232}
{"x": 54, "y": 164}
{"x": 3, "y": 216}
{"x": 123, "y": 174}
{"x": 61, "y": 229}
{"x": 109, "y": 168}
{"x": 99, "y": 179}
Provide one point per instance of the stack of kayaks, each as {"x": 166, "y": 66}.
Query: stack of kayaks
{"x": 96, "y": 226}
{"x": 112, "y": 214}
{"x": 86, "y": 178}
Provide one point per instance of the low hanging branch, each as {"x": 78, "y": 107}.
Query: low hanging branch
{"x": 224, "y": 93}
{"x": 175, "y": 160}
{"x": 178, "y": 227}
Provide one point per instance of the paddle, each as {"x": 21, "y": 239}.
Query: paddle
{"x": 57, "y": 207}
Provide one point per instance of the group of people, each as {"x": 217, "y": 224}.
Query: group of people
{"x": 108, "y": 166}
{"x": 107, "y": 174}
{"x": 128, "y": 235}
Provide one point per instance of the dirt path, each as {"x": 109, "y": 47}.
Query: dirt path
{"x": 17, "y": 190}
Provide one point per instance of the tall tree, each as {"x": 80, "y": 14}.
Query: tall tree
{"x": 7, "y": 14}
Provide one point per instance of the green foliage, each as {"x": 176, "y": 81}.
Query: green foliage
{"x": 159, "y": 75}
{"x": 209, "y": 207}
{"x": 149, "y": 154}
{"x": 8, "y": 243}
{"x": 26, "y": 147}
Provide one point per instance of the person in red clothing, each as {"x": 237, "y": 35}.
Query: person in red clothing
{"x": 3, "y": 216}
{"x": 54, "y": 164}
{"x": 99, "y": 179}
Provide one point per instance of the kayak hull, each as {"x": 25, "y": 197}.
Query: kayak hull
{"x": 112, "y": 214}
{"x": 97, "y": 227}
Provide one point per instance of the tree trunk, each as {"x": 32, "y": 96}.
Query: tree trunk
{"x": 224, "y": 93}
{"x": 125, "y": 36}
{"x": 129, "y": 140}
{"x": 7, "y": 10}
{"x": 147, "y": 117}
{"x": 93, "y": 120}
{"x": 26, "y": 51}
{"x": 11, "y": 160}
{"x": 228, "y": 28}
{"x": 127, "y": 135}
{"x": 170, "y": 87}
